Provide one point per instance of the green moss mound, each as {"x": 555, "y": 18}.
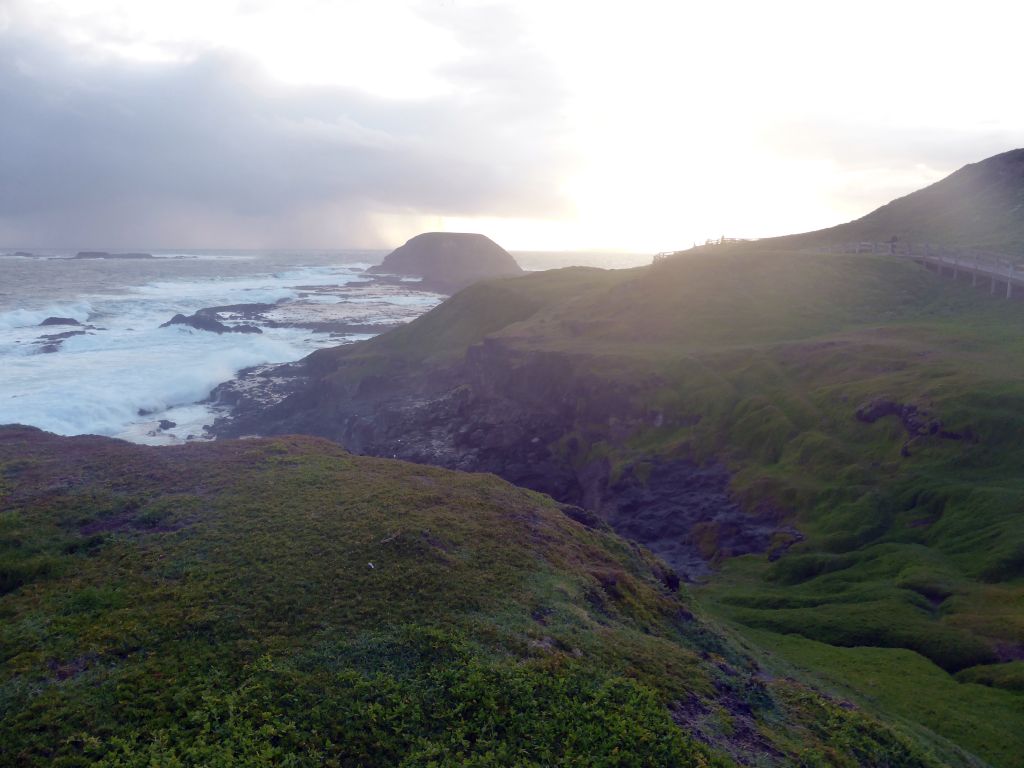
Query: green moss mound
{"x": 282, "y": 602}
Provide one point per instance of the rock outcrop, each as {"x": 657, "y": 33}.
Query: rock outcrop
{"x": 51, "y": 342}
{"x": 916, "y": 422}
{"x": 206, "y": 320}
{"x": 105, "y": 255}
{"x": 449, "y": 261}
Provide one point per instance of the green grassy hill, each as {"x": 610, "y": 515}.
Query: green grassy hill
{"x": 282, "y": 602}
{"x": 215, "y": 604}
{"x": 979, "y": 206}
{"x": 907, "y": 591}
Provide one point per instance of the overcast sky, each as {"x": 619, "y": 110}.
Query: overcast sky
{"x": 553, "y": 124}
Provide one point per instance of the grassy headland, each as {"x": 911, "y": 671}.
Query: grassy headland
{"x": 912, "y": 512}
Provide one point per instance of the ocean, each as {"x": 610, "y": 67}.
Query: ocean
{"x": 121, "y": 374}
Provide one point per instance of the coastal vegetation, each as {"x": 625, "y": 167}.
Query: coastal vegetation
{"x": 869, "y": 402}
{"x": 284, "y": 602}
{"x": 829, "y": 442}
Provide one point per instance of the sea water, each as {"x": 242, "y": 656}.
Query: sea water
{"x": 126, "y": 374}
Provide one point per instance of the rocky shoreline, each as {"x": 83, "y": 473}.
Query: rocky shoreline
{"x": 339, "y": 311}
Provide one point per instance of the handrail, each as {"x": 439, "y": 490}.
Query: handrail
{"x": 997, "y": 267}
{"x": 1001, "y": 267}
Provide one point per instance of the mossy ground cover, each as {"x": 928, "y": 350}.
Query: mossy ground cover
{"x": 216, "y": 603}
{"x": 281, "y": 602}
{"x": 909, "y": 689}
{"x": 913, "y": 538}
{"x": 912, "y": 542}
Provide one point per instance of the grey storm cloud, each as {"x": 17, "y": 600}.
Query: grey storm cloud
{"x": 108, "y": 151}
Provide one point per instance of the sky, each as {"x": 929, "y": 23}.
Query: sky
{"x": 547, "y": 125}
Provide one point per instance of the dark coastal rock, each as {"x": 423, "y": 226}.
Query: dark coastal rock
{"x": 207, "y": 322}
{"x": 59, "y": 321}
{"x": 167, "y": 424}
{"x": 61, "y": 336}
{"x": 51, "y": 342}
{"x": 448, "y": 262}
{"x": 105, "y": 255}
{"x": 516, "y": 414}
{"x": 686, "y": 514}
{"x": 256, "y": 313}
{"x": 584, "y": 517}
{"x": 251, "y": 311}
{"x": 873, "y": 410}
{"x": 917, "y": 422}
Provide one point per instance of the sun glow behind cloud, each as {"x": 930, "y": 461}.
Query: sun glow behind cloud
{"x": 673, "y": 121}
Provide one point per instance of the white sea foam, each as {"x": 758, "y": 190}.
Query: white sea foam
{"x": 100, "y": 381}
{"x": 22, "y": 318}
{"x": 97, "y": 383}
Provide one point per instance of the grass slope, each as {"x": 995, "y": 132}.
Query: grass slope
{"x": 282, "y": 602}
{"x": 761, "y": 359}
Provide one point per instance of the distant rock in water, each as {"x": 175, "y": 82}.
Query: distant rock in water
{"x": 448, "y": 262}
{"x": 205, "y": 322}
{"x": 105, "y": 255}
{"x": 59, "y": 321}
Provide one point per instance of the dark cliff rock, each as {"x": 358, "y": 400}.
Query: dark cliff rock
{"x": 529, "y": 417}
{"x": 59, "y": 321}
{"x": 686, "y": 514}
{"x": 448, "y": 262}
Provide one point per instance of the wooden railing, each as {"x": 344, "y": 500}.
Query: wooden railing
{"x": 983, "y": 266}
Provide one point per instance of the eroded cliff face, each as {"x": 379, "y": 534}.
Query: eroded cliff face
{"x": 539, "y": 419}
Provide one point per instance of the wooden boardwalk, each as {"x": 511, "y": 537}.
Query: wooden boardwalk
{"x": 998, "y": 272}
